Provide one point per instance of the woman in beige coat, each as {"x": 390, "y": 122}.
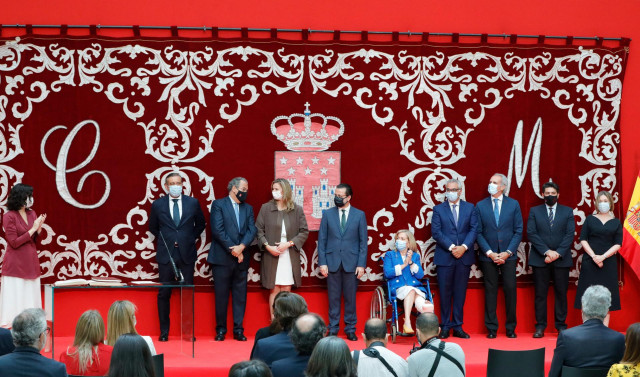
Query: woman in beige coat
{"x": 282, "y": 230}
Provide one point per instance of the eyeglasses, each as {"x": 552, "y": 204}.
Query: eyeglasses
{"x": 453, "y": 190}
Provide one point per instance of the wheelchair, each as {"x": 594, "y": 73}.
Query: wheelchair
{"x": 383, "y": 299}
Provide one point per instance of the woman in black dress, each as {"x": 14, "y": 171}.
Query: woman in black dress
{"x": 601, "y": 238}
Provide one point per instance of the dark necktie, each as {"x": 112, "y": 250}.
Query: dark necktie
{"x": 176, "y": 212}
{"x": 455, "y": 215}
{"x": 496, "y": 211}
{"x": 343, "y": 221}
{"x": 551, "y": 217}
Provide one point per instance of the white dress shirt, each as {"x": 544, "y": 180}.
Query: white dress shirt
{"x": 171, "y": 199}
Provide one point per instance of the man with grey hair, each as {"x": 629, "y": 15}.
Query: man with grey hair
{"x": 499, "y": 235}
{"x": 453, "y": 225}
{"x": 29, "y": 331}
{"x": 233, "y": 229}
{"x": 592, "y": 344}
{"x": 306, "y": 332}
{"x": 435, "y": 357}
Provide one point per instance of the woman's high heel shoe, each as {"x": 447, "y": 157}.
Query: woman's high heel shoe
{"x": 407, "y": 329}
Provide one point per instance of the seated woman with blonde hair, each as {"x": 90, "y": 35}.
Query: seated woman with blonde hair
{"x": 88, "y": 356}
{"x": 403, "y": 270}
{"x": 122, "y": 320}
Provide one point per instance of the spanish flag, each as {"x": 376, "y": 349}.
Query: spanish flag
{"x": 630, "y": 250}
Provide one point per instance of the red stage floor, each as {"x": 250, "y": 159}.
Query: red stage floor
{"x": 213, "y": 359}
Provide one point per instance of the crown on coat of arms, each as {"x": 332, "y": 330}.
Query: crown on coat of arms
{"x": 315, "y": 132}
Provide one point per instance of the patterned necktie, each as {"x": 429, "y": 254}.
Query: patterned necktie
{"x": 236, "y": 208}
{"x": 343, "y": 221}
{"x": 496, "y": 210}
{"x": 455, "y": 215}
{"x": 176, "y": 212}
{"x": 551, "y": 217}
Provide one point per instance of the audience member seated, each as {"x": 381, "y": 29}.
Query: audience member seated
{"x": 592, "y": 344}
{"x": 370, "y": 360}
{"x": 629, "y": 366}
{"x": 122, "y": 320}
{"x": 88, "y": 356}
{"x": 331, "y": 357}
{"x": 29, "y": 331}
{"x": 279, "y": 346}
{"x": 131, "y": 357}
{"x": 423, "y": 360}
{"x": 307, "y": 331}
{"x": 251, "y": 368}
{"x": 270, "y": 330}
{"x": 6, "y": 342}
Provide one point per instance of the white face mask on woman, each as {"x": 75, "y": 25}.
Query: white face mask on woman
{"x": 604, "y": 207}
{"x": 29, "y": 202}
{"x": 277, "y": 195}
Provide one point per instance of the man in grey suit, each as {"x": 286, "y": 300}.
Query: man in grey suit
{"x": 342, "y": 256}
{"x": 424, "y": 361}
{"x": 550, "y": 230}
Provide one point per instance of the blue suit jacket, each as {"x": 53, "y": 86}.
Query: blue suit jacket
{"x": 506, "y": 235}
{"x": 291, "y": 366}
{"x": 348, "y": 248}
{"x": 28, "y": 362}
{"x": 543, "y": 237}
{"x": 446, "y": 233}
{"x": 192, "y": 223}
{"x": 225, "y": 232}
{"x": 590, "y": 345}
{"x": 393, "y": 258}
{"x": 6, "y": 342}
{"x": 274, "y": 348}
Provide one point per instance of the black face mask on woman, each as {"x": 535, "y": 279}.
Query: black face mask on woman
{"x": 551, "y": 199}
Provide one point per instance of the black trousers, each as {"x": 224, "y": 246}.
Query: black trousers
{"x": 541, "y": 278}
{"x": 167, "y": 276}
{"x": 490, "y": 271}
{"x": 229, "y": 279}
{"x": 342, "y": 284}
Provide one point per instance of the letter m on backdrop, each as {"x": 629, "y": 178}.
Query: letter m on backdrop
{"x": 533, "y": 152}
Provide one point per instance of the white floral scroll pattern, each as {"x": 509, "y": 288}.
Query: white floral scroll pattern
{"x": 430, "y": 88}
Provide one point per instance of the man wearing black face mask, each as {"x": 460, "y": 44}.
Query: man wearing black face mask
{"x": 550, "y": 230}
{"x": 342, "y": 256}
{"x": 233, "y": 229}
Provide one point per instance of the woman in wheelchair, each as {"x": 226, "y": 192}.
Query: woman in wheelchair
{"x": 403, "y": 271}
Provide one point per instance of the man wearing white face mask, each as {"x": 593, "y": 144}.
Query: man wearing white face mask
{"x": 499, "y": 235}
{"x": 453, "y": 225}
{"x": 176, "y": 221}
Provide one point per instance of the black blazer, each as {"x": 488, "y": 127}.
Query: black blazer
{"x": 543, "y": 237}
{"x": 274, "y": 348}
{"x": 590, "y": 345}
{"x": 28, "y": 362}
{"x": 291, "y": 366}
{"x": 6, "y": 342}
{"x": 225, "y": 232}
{"x": 192, "y": 223}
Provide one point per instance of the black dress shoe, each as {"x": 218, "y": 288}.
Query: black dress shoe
{"x": 511, "y": 334}
{"x": 444, "y": 334}
{"x": 163, "y": 338}
{"x": 491, "y": 335}
{"x": 539, "y": 333}
{"x": 461, "y": 334}
{"x": 333, "y": 333}
{"x": 352, "y": 336}
{"x": 239, "y": 336}
{"x": 219, "y": 337}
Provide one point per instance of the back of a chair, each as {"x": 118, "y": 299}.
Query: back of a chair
{"x": 158, "y": 364}
{"x": 584, "y": 372}
{"x": 528, "y": 363}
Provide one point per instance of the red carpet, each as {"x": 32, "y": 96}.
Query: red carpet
{"x": 213, "y": 359}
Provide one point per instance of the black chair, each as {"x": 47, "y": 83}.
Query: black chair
{"x": 584, "y": 372}
{"x": 529, "y": 363}
{"x": 158, "y": 364}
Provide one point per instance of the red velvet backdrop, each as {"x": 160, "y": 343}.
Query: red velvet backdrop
{"x": 411, "y": 115}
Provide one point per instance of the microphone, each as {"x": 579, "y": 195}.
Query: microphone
{"x": 176, "y": 272}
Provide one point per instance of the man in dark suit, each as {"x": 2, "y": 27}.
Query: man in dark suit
{"x": 6, "y": 342}
{"x": 176, "y": 221}
{"x": 550, "y": 230}
{"x": 233, "y": 230}
{"x": 592, "y": 344}
{"x": 307, "y": 331}
{"x": 29, "y": 331}
{"x": 342, "y": 256}
{"x": 453, "y": 225}
{"x": 499, "y": 235}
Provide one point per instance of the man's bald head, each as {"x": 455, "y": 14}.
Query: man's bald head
{"x": 307, "y": 330}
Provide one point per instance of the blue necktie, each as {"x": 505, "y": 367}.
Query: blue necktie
{"x": 496, "y": 210}
{"x": 176, "y": 212}
{"x": 455, "y": 215}
{"x": 236, "y": 208}
{"x": 551, "y": 217}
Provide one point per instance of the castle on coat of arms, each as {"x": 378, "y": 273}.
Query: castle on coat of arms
{"x": 321, "y": 196}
